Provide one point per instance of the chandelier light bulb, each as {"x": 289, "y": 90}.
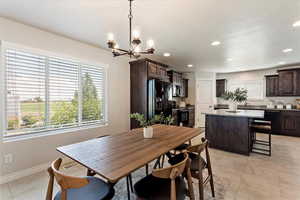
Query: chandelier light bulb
{"x": 136, "y": 34}
{"x": 150, "y": 43}
{"x": 296, "y": 24}
{"x": 110, "y": 37}
{"x": 137, "y": 49}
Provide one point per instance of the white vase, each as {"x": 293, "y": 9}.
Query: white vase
{"x": 148, "y": 132}
{"x": 233, "y": 106}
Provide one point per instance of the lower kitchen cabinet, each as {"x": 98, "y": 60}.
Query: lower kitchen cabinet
{"x": 290, "y": 123}
{"x": 284, "y": 122}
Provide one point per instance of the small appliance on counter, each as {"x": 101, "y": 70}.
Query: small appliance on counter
{"x": 298, "y": 104}
{"x": 279, "y": 106}
{"x": 288, "y": 106}
{"x": 182, "y": 104}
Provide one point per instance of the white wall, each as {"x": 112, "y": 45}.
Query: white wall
{"x": 203, "y": 75}
{"x": 32, "y": 152}
{"x": 191, "y": 88}
{"x": 257, "y": 76}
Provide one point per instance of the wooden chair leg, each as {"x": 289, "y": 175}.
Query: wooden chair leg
{"x": 201, "y": 186}
{"x": 50, "y": 184}
{"x": 211, "y": 181}
{"x": 189, "y": 180}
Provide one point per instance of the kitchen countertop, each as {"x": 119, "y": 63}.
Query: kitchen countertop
{"x": 240, "y": 113}
{"x": 184, "y": 108}
{"x": 252, "y": 107}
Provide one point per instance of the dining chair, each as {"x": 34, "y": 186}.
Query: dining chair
{"x": 77, "y": 188}
{"x": 198, "y": 165}
{"x": 166, "y": 183}
{"x": 179, "y": 149}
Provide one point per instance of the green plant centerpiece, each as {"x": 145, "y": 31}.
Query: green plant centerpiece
{"x": 147, "y": 124}
{"x": 239, "y": 95}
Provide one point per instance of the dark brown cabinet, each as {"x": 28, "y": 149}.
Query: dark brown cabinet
{"x": 287, "y": 83}
{"x": 138, "y": 89}
{"x": 179, "y": 84}
{"x": 220, "y": 87}
{"x": 290, "y": 123}
{"x": 157, "y": 71}
{"x": 185, "y": 89}
{"x": 297, "y": 82}
{"x": 284, "y": 122}
{"x": 191, "y": 118}
{"x": 272, "y": 86}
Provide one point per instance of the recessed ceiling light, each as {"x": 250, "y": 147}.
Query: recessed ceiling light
{"x": 281, "y": 63}
{"x": 296, "y": 24}
{"x": 189, "y": 65}
{"x": 287, "y": 50}
{"x": 167, "y": 54}
{"x": 229, "y": 59}
{"x": 215, "y": 43}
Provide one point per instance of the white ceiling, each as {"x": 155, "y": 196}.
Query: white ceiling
{"x": 252, "y": 32}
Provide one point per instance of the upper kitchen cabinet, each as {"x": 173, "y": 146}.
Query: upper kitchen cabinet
{"x": 220, "y": 87}
{"x": 157, "y": 70}
{"x": 272, "y": 86}
{"x": 289, "y": 82}
{"x": 179, "y": 84}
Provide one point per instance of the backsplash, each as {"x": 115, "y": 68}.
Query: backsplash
{"x": 266, "y": 101}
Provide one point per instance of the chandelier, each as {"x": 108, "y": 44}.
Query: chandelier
{"x": 134, "y": 41}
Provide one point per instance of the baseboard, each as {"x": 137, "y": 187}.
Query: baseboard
{"x": 23, "y": 173}
{"x": 67, "y": 163}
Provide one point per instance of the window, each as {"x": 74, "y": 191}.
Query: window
{"x": 47, "y": 93}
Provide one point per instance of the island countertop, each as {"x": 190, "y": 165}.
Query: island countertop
{"x": 240, "y": 113}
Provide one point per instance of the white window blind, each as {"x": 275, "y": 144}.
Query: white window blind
{"x": 25, "y": 86}
{"x": 63, "y": 92}
{"x": 92, "y": 82}
{"x": 46, "y": 93}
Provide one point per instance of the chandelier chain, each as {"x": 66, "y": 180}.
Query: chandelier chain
{"x": 130, "y": 24}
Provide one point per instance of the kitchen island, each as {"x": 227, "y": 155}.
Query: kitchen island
{"x": 230, "y": 131}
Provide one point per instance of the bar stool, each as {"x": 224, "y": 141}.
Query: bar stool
{"x": 261, "y": 126}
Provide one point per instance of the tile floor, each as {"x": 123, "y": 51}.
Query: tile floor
{"x": 237, "y": 177}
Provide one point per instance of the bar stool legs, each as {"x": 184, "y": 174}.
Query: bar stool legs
{"x": 268, "y": 143}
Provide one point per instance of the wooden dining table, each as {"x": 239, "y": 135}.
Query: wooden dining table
{"x": 116, "y": 156}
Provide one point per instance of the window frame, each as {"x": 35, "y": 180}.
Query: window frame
{"x": 4, "y": 46}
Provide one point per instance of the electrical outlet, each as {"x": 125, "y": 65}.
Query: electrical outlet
{"x": 8, "y": 158}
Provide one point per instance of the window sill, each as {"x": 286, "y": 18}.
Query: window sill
{"x": 7, "y": 139}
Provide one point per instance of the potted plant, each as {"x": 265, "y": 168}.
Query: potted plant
{"x": 147, "y": 124}
{"x": 234, "y": 97}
